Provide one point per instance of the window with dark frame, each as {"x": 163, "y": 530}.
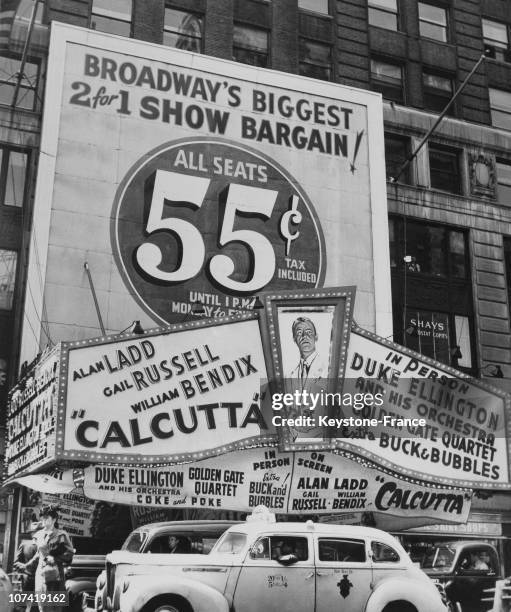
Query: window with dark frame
{"x": 500, "y": 108}
{"x": 437, "y": 91}
{"x": 112, "y": 16}
{"x": 503, "y": 168}
{"x": 13, "y": 173}
{"x": 314, "y": 6}
{"x": 383, "y": 14}
{"x": 9, "y": 69}
{"x": 387, "y": 78}
{"x": 397, "y": 151}
{"x": 496, "y": 37}
{"x": 8, "y": 261}
{"x": 315, "y": 59}
{"x": 434, "y": 327}
{"x": 250, "y": 45}
{"x": 507, "y": 264}
{"x": 182, "y": 29}
{"x": 444, "y": 168}
{"x": 432, "y": 21}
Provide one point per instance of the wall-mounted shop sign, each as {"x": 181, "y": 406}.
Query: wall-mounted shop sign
{"x": 433, "y": 423}
{"x": 180, "y": 177}
{"x": 178, "y": 393}
{"x": 31, "y": 417}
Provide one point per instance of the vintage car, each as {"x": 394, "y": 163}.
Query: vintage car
{"x": 464, "y": 569}
{"x": 195, "y": 537}
{"x": 263, "y": 565}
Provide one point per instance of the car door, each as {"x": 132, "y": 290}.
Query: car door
{"x": 343, "y": 574}
{"x": 265, "y": 584}
{"x": 476, "y": 569}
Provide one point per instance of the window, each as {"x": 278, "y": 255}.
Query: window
{"x": 383, "y": 13}
{"x": 500, "y": 106}
{"x": 315, "y": 59}
{"x": 444, "y": 169}
{"x": 9, "y": 69}
{"x": 432, "y": 22}
{"x": 342, "y": 551}
{"x": 13, "y": 170}
{"x": 113, "y": 16}
{"x": 275, "y": 547}
{"x": 250, "y": 46}
{"x": 397, "y": 150}
{"x": 387, "y": 79}
{"x": 433, "y": 249}
{"x": 8, "y": 261}
{"x": 182, "y": 30}
{"x": 316, "y": 6}
{"x": 383, "y": 553}
{"x": 504, "y": 182}
{"x": 496, "y": 37}
{"x": 437, "y": 91}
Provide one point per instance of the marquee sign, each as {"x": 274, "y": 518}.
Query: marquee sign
{"x": 173, "y": 394}
{"x": 458, "y": 427}
{"x": 31, "y": 417}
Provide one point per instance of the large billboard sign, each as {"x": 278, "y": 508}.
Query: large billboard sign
{"x": 171, "y": 395}
{"x": 181, "y": 178}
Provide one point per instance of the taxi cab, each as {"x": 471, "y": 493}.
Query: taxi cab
{"x": 264, "y": 565}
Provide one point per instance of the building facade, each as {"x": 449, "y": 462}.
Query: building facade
{"x": 449, "y": 208}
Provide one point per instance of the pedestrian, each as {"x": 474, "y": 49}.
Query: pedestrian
{"x": 26, "y": 551}
{"x": 54, "y": 550}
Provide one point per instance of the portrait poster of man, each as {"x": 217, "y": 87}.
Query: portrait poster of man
{"x": 305, "y": 340}
{"x": 308, "y": 337}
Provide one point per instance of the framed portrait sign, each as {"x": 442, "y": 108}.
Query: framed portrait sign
{"x": 308, "y": 333}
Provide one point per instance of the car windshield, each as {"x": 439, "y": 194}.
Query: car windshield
{"x": 135, "y": 541}
{"x": 231, "y": 542}
{"x": 439, "y": 557}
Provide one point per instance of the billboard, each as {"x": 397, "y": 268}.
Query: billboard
{"x": 181, "y": 178}
{"x": 434, "y": 423}
{"x": 176, "y": 394}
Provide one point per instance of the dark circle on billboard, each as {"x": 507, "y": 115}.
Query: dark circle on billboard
{"x": 208, "y": 219}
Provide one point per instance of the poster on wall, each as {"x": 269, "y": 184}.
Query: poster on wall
{"x": 177, "y": 393}
{"x": 425, "y": 420}
{"x": 204, "y": 182}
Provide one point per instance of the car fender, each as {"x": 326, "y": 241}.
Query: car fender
{"x": 423, "y": 595}
{"x": 75, "y": 586}
{"x": 142, "y": 589}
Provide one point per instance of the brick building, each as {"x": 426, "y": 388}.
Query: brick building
{"x": 449, "y": 211}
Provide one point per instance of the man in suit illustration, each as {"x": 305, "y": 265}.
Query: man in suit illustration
{"x": 310, "y": 374}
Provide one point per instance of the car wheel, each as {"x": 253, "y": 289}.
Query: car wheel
{"x": 399, "y": 606}
{"x": 168, "y": 604}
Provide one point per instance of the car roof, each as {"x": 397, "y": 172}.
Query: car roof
{"x": 345, "y": 531}
{"x": 185, "y": 526}
{"x": 467, "y": 544}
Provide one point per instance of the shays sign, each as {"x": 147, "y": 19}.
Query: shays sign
{"x": 181, "y": 177}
